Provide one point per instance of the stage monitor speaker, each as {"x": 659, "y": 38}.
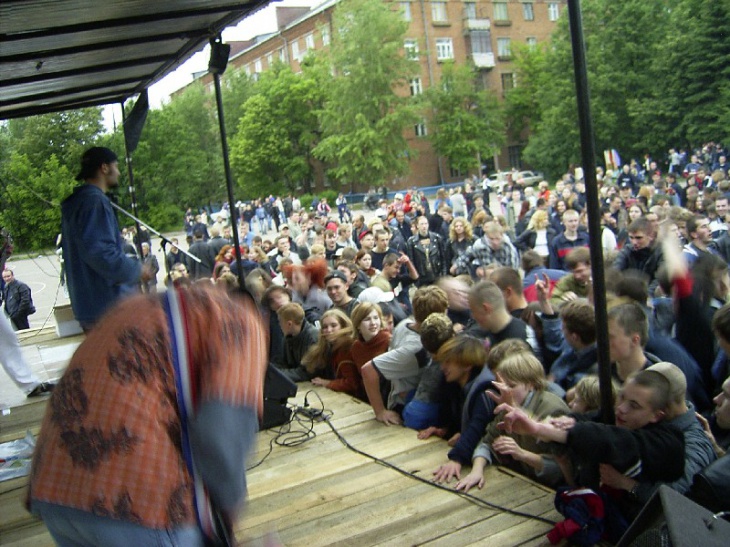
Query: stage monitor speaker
{"x": 277, "y": 389}
{"x": 671, "y": 519}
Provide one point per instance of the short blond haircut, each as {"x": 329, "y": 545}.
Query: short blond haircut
{"x": 499, "y": 353}
{"x": 523, "y": 368}
{"x": 589, "y": 390}
{"x": 493, "y": 228}
{"x": 291, "y": 312}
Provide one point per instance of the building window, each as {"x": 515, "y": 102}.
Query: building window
{"x": 420, "y": 129}
{"x": 444, "y": 49}
{"x": 470, "y": 10}
{"x": 309, "y": 41}
{"x": 504, "y": 50}
{"x": 416, "y": 86}
{"x": 257, "y": 66}
{"x": 455, "y": 172}
{"x": 325, "y": 36}
{"x": 500, "y": 11}
{"x": 438, "y": 12}
{"x": 405, "y": 8}
{"x": 247, "y": 70}
{"x": 481, "y": 41}
{"x": 508, "y": 81}
{"x": 553, "y": 11}
{"x": 528, "y": 10}
{"x": 531, "y": 42}
{"x": 282, "y": 55}
{"x": 295, "y": 50}
{"x": 270, "y": 59}
{"x": 515, "y": 156}
{"x": 411, "y": 47}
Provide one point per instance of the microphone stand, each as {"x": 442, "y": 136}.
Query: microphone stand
{"x": 164, "y": 239}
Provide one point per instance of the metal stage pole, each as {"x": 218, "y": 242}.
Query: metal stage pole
{"x": 588, "y": 155}
{"x": 218, "y": 60}
{"x": 132, "y": 192}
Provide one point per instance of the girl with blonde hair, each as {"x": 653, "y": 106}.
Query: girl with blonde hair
{"x": 538, "y": 236}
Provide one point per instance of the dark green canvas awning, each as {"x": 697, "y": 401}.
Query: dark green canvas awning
{"x": 65, "y": 54}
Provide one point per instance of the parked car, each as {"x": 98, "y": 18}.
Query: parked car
{"x": 497, "y": 181}
{"x": 528, "y": 178}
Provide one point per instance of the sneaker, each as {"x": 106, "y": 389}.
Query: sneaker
{"x": 41, "y": 389}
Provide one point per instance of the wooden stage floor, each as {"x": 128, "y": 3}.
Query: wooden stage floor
{"x": 322, "y": 493}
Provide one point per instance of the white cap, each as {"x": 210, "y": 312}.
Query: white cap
{"x": 399, "y": 196}
{"x": 375, "y": 295}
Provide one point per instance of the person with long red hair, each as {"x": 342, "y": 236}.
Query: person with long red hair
{"x": 307, "y": 283}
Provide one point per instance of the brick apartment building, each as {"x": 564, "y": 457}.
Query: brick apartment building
{"x": 481, "y": 32}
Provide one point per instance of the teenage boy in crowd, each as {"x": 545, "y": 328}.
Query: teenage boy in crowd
{"x": 299, "y": 336}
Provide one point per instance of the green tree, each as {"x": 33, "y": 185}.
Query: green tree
{"x": 691, "y": 77}
{"x": 32, "y": 197}
{"x": 364, "y": 116}
{"x": 272, "y": 150}
{"x": 521, "y": 103}
{"x": 63, "y": 134}
{"x": 179, "y": 159}
{"x": 236, "y": 88}
{"x": 39, "y": 157}
{"x": 468, "y": 122}
{"x": 623, "y": 42}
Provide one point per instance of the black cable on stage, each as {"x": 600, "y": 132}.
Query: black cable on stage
{"x": 324, "y": 415}
{"x": 297, "y": 431}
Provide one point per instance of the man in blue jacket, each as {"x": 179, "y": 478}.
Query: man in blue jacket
{"x": 97, "y": 270}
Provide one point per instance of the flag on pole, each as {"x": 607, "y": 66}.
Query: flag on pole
{"x": 134, "y": 124}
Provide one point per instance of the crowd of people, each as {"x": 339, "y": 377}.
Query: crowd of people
{"x": 410, "y": 311}
{"x": 473, "y": 320}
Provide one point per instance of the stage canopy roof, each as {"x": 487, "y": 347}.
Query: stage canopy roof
{"x": 66, "y": 54}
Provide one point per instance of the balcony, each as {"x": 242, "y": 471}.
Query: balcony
{"x": 477, "y": 24}
{"x": 483, "y": 60}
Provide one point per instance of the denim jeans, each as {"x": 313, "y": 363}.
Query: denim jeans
{"x": 75, "y": 528}
{"x": 420, "y": 415}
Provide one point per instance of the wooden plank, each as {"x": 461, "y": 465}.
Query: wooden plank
{"x": 20, "y": 419}
{"x": 14, "y": 514}
{"x": 480, "y": 532}
{"x": 34, "y": 534}
{"x": 501, "y": 489}
{"x": 374, "y": 515}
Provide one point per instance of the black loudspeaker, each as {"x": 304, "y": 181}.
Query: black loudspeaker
{"x": 218, "y": 57}
{"x": 277, "y": 389}
{"x": 671, "y": 519}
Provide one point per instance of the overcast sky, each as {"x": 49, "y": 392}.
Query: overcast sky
{"x": 261, "y": 22}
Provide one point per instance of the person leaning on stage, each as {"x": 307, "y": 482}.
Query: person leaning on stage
{"x": 108, "y": 468}
{"x": 97, "y": 270}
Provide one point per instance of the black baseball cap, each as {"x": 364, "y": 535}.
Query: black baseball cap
{"x": 94, "y": 158}
{"x": 336, "y": 274}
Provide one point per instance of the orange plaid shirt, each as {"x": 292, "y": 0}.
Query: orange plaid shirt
{"x": 110, "y": 439}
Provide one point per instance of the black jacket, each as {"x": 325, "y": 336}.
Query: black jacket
{"x": 18, "y": 303}
{"x": 646, "y": 260}
{"x": 429, "y": 266}
{"x": 528, "y": 238}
